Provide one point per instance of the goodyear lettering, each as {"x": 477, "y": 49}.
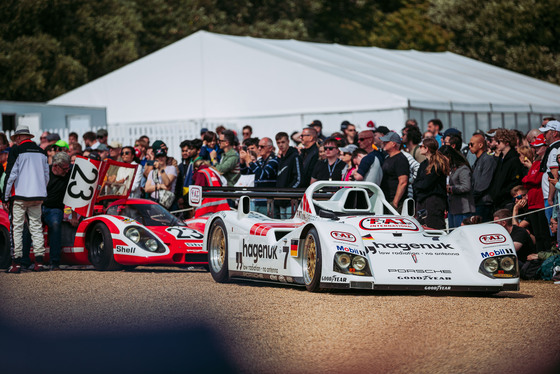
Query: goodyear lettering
{"x": 419, "y": 271}
{"x": 350, "y": 250}
{"x": 258, "y": 251}
{"x": 437, "y": 288}
{"x": 425, "y": 277}
{"x": 497, "y": 252}
{"x": 123, "y": 249}
{"x": 408, "y": 246}
{"x": 333, "y": 278}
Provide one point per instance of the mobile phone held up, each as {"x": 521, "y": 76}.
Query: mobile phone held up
{"x": 550, "y": 175}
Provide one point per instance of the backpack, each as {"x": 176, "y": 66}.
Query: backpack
{"x": 546, "y": 271}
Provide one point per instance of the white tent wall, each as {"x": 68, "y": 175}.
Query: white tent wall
{"x": 208, "y": 79}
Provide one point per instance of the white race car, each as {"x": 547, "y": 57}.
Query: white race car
{"x": 349, "y": 241}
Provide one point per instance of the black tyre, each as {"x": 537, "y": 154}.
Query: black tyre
{"x": 5, "y": 248}
{"x": 311, "y": 261}
{"x": 218, "y": 251}
{"x": 100, "y": 248}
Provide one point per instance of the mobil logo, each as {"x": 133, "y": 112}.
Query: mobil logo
{"x": 492, "y": 239}
{"x": 345, "y": 236}
{"x": 388, "y": 223}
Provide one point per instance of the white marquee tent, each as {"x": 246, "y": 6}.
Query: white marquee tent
{"x": 208, "y": 79}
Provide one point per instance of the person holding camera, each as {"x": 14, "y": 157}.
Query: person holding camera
{"x": 162, "y": 178}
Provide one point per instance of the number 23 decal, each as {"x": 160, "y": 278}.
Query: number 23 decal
{"x": 80, "y": 194}
{"x": 184, "y": 233}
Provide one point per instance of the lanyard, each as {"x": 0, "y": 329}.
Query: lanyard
{"x": 331, "y": 171}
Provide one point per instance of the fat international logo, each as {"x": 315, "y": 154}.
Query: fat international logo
{"x": 345, "y": 236}
{"x": 492, "y": 239}
{"x": 388, "y": 223}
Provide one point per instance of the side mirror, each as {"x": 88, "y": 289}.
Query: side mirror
{"x": 195, "y": 195}
{"x": 244, "y": 207}
{"x": 409, "y": 208}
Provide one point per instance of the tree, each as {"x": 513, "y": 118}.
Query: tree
{"x": 521, "y": 36}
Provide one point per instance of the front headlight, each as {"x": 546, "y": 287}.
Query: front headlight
{"x": 144, "y": 239}
{"x": 359, "y": 263}
{"x": 133, "y": 234}
{"x": 507, "y": 263}
{"x": 343, "y": 260}
{"x": 491, "y": 265}
{"x": 152, "y": 245}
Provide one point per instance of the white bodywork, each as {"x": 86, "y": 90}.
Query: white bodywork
{"x": 400, "y": 254}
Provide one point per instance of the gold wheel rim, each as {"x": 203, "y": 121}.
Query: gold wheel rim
{"x": 218, "y": 247}
{"x": 311, "y": 257}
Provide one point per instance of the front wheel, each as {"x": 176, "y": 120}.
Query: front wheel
{"x": 311, "y": 261}
{"x": 217, "y": 251}
{"x": 100, "y": 248}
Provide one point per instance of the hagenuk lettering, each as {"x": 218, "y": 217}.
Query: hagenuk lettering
{"x": 409, "y": 246}
{"x": 497, "y": 252}
{"x": 258, "y": 251}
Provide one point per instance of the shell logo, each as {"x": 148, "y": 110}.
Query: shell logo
{"x": 492, "y": 239}
{"x": 345, "y": 236}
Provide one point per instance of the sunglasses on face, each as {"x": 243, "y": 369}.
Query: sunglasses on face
{"x": 329, "y": 148}
{"x": 471, "y": 144}
{"x": 125, "y": 153}
{"x": 246, "y": 133}
{"x": 262, "y": 146}
{"x": 362, "y": 139}
{"x": 519, "y": 197}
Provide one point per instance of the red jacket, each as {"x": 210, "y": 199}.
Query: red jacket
{"x": 532, "y": 182}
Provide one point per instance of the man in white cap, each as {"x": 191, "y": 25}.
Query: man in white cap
{"x": 26, "y": 188}
{"x": 549, "y": 164}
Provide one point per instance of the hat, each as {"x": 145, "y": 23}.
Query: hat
{"x": 102, "y": 148}
{"x": 157, "y": 144}
{"x": 391, "y": 137}
{"x": 160, "y": 152}
{"x": 101, "y": 133}
{"x": 315, "y": 123}
{"x": 203, "y": 130}
{"x": 451, "y": 131}
{"x": 115, "y": 144}
{"x": 348, "y": 149}
{"x": 6, "y": 150}
{"x": 94, "y": 156}
{"x": 382, "y": 129}
{"x": 21, "y": 130}
{"x": 491, "y": 134}
{"x": 53, "y": 137}
{"x": 551, "y": 125}
{"x": 62, "y": 143}
{"x": 370, "y": 124}
{"x": 539, "y": 141}
{"x": 344, "y": 125}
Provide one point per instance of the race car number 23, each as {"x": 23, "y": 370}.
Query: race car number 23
{"x": 184, "y": 233}
{"x": 81, "y": 186}
{"x": 78, "y": 193}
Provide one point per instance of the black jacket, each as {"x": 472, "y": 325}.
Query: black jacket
{"x": 309, "y": 158}
{"x": 290, "y": 170}
{"x": 426, "y": 185}
{"x": 508, "y": 174}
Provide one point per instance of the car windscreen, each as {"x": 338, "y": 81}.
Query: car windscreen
{"x": 146, "y": 214}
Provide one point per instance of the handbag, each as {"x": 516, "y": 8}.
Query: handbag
{"x": 164, "y": 197}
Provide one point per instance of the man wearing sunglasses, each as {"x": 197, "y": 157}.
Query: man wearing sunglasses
{"x": 53, "y": 207}
{"x": 370, "y": 167}
{"x": 329, "y": 169}
{"x": 309, "y": 154}
{"x": 128, "y": 156}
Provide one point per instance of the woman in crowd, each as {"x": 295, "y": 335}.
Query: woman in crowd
{"x": 429, "y": 186}
{"x": 459, "y": 188}
{"x": 209, "y": 144}
{"x": 162, "y": 177}
{"x": 346, "y": 157}
{"x": 531, "y": 158}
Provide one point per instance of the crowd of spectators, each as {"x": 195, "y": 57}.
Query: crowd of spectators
{"x": 500, "y": 175}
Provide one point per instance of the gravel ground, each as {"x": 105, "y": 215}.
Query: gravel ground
{"x": 167, "y": 320}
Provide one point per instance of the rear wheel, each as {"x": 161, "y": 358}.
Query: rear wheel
{"x": 311, "y": 261}
{"x": 100, "y": 248}
{"x": 5, "y": 248}
{"x": 217, "y": 251}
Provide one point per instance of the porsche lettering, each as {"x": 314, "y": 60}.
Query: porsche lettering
{"x": 419, "y": 271}
{"x": 258, "y": 251}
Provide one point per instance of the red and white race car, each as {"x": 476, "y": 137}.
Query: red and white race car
{"x": 117, "y": 231}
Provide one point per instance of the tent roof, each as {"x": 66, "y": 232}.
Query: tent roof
{"x": 207, "y": 75}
